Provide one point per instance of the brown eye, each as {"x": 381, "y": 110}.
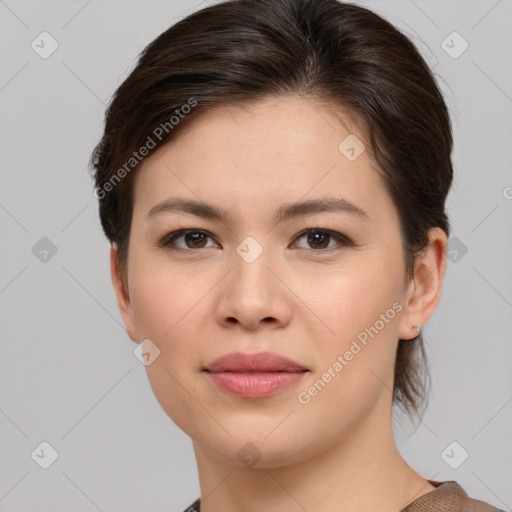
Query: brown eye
{"x": 319, "y": 239}
{"x": 193, "y": 239}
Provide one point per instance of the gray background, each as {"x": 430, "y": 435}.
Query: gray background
{"x": 67, "y": 369}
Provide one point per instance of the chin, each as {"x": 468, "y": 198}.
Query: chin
{"x": 258, "y": 450}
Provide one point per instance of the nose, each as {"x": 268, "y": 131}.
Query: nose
{"x": 253, "y": 295}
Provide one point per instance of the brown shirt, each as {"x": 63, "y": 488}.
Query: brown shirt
{"x": 447, "y": 496}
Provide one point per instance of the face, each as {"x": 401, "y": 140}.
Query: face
{"x": 324, "y": 288}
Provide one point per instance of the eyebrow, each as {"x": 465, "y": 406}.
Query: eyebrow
{"x": 285, "y": 212}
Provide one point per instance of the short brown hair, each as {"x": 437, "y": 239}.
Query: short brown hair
{"x": 241, "y": 51}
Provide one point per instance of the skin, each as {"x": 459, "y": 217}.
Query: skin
{"x": 336, "y": 452}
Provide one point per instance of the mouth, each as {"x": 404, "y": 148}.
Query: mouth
{"x": 241, "y": 362}
{"x": 254, "y": 375}
{"x": 255, "y": 384}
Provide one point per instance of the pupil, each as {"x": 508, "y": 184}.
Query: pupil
{"x": 194, "y": 237}
{"x": 313, "y": 237}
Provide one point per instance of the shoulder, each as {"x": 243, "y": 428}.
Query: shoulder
{"x": 472, "y": 505}
{"x": 448, "y": 496}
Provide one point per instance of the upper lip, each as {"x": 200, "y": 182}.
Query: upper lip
{"x": 256, "y": 362}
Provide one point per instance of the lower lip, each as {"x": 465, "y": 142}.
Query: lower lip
{"x": 255, "y": 384}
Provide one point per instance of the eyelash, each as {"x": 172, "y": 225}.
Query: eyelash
{"x": 173, "y": 235}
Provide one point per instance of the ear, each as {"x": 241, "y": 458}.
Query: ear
{"x": 123, "y": 298}
{"x": 424, "y": 291}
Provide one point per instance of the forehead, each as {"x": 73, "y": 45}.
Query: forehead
{"x": 254, "y": 158}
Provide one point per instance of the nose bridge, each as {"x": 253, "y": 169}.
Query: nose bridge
{"x": 251, "y": 261}
{"x": 250, "y": 250}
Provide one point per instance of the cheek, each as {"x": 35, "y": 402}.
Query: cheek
{"x": 156, "y": 310}
{"x": 169, "y": 309}
{"x": 348, "y": 301}
{"x": 161, "y": 297}
{"x": 361, "y": 310}
{"x": 162, "y": 314}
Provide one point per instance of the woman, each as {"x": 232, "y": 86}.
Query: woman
{"x": 272, "y": 178}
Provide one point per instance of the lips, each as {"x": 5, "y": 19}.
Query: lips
{"x": 254, "y": 375}
{"x": 241, "y": 362}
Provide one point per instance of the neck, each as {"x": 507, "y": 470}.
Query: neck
{"x": 363, "y": 471}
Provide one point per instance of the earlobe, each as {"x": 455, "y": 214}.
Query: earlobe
{"x": 424, "y": 290}
{"x": 122, "y": 295}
